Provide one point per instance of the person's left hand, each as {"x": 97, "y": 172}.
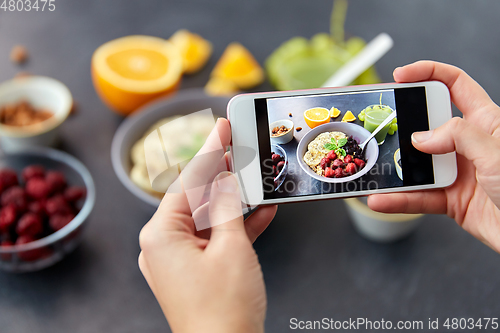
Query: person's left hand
{"x": 207, "y": 282}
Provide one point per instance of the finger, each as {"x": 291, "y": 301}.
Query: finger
{"x": 422, "y": 202}
{"x": 466, "y": 139}
{"x": 258, "y": 221}
{"x": 255, "y": 224}
{"x": 197, "y": 171}
{"x": 466, "y": 93}
{"x": 225, "y": 211}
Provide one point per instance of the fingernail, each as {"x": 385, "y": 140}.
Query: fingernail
{"x": 420, "y": 137}
{"x": 226, "y": 182}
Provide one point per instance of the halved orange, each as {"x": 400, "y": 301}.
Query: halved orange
{"x": 316, "y": 116}
{"x": 130, "y": 71}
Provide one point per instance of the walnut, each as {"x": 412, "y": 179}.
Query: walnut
{"x": 19, "y": 54}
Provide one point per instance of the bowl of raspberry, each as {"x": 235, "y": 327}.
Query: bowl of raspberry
{"x": 331, "y": 153}
{"x": 279, "y": 164}
{"x": 46, "y": 196}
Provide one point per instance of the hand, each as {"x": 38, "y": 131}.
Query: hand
{"x": 206, "y": 282}
{"x": 474, "y": 199}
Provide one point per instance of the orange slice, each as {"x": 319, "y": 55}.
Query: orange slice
{"x": 130, "y": 71}
{"x": 195, "y": 50}
{"x": 348, "y": 117}
{"x": 334, "y": 112}
{"x": 239, "y": 66}
{"x": 316, "y": 116}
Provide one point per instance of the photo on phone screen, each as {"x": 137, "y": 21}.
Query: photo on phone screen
{"x": 306, "y": 149}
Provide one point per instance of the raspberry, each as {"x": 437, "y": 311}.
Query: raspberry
{"x": 350, "y": 168}
{"x": 15, "y": 196}
{"x": 37, "y": 207}
{"x": 58, "y": 221}
{"x": 56, "y": 205}
{"x": 24, "y": 240}
{"x": 280, "y": 166}
{"x": 6, "y": 243}
{"x": 29, "y": 224}
{"x": 8, "y": 178}
{"x": 329, "y": 172}
{"x": 331, "y": 155}
{"x": 37, "y": 188}
{"x": 348, "y": 159}
{"x": 276, "y": 158}
{"x": 324, "y": 162}
{"x": 56, "y": 181}
{"x": 33, "y": 171}
{"x": 7, "y": 218}
{"x": 275, "y": 171}
{"x": 338, "y": 173}
{"x": 30, "y": 255}
{"x": 338, "y": 163}
{"x": 359, "y": 162}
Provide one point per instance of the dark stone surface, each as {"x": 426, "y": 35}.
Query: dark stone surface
{"x": 315, "y": 264}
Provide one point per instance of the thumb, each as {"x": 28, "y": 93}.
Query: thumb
{"x": 225, "y": 211}
{"x": 466, "y": 139}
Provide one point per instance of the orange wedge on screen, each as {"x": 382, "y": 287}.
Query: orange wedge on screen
{"x": 316, "y": 116}
{"x": 130, "y": 71}
{"x": 195, "y": 50}
{"x": 334, "y": 112}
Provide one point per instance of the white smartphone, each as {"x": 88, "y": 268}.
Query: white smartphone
{"x": 307, "y": 145}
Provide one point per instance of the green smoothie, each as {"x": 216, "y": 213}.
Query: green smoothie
{"x": 374, "y": 116}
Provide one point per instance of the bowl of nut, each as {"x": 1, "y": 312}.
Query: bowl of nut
{"x": 31, "y": 110}
{"x": 281, "y": 131}
{"x": 46, "y": 196}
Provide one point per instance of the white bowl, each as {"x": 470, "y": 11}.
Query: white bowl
{"x": 283, "y": 138}
{"x": 358, "y": 133}
{"x": 44, "y": 93}
{"x": 280, "y": 178}
{"x": 380, "y": 227}
{"x": 134, "y": 127}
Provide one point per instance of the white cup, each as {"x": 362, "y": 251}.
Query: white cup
{"x": 380, "y": 227}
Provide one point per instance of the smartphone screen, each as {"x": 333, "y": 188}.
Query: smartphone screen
{"x": 323, "y": 154}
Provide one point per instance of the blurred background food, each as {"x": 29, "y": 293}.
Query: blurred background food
{"x": 31, "y": 110}
{"x": 300, "y": 63}
{"x": 314, "y": 261}
{"x": 180, "y": 140}
{"x": 46, "y": 196}
{"x": 131, "y": 71}
{"x": 22, "y": 113}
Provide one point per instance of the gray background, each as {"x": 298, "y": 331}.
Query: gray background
{"x": 314, "y": 262}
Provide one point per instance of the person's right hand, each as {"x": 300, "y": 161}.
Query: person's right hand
{"x": 474, "y": 199}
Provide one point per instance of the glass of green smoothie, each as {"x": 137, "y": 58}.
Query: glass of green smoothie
{"x": 374, "y": 116}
